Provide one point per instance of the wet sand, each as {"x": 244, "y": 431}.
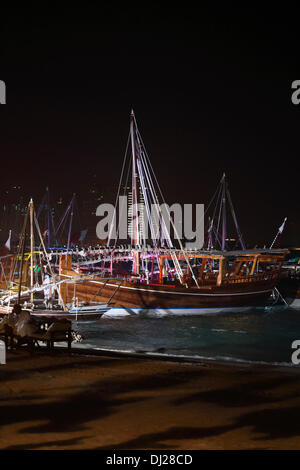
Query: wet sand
{"x": 60, "y": 401}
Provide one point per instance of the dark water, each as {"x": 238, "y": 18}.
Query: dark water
{"x": 259, "y": 335}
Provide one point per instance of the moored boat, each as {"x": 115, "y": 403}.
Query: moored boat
{"x": 165, "y": 276}
{"x": 225, "y": 280}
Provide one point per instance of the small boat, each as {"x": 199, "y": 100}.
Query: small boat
{"x": 84, "y": 311}
{"x": 80, "y": 314}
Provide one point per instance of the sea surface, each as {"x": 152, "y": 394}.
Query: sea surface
{"x": 260, "y": 335}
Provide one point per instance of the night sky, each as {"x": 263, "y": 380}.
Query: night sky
{"x": 211, "y": 93}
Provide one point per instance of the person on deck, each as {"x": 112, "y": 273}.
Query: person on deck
{"x": 165, "y": 275}
{"x": 195, "y": 269}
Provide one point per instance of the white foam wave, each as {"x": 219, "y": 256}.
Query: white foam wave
{"x": 225, "y": 359}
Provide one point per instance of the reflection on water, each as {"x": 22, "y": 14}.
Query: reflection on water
{"x": 260, "y": 335}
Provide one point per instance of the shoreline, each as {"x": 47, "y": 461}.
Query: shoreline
{"x": 180, "y": 358}
{"x": 117, "y": 402}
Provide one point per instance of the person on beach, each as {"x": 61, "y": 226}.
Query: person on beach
{"x": 10, "y": 319}
{"x": 22, "y": 322}
{"x": 3, "y": 322}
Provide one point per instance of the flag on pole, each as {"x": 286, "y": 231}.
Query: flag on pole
{"x": 6, "y": 249}
{"x": 280, "y": 230}
{"x": 276, "y": 241}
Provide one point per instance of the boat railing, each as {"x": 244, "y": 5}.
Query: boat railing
{"x": 251, "y": 278}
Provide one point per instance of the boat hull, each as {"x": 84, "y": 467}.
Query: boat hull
{"x": 159, "y": 312}
{"x": 143, "y": 297}
{"x": 61, "y": 315}
{"x": 74, "y": 316}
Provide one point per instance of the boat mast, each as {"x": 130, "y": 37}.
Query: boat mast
{"x": 22, "y": 250}
{"x": 135, "y": 228}
{"x": 135, "y": 238}
{"x": 31, "y": 209}
{"x": 45, "y": 205}
{"x": 210, "y": 245}
{"x": 223, "y": 197}
{"x": 48, "y": 216}
{"x": 235, "y": 221}
{"x": 223, "y": 212}
{"x": 71, "y": 220}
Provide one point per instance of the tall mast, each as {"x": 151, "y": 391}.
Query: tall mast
{"x": 31, "y": 209}
{"x": 22, "y": 250}
{"x": 235, "y": 221}
{"x": 210, "y": 228}
{"x": 48, "y": 215}
{"x": 223, "y": 212}
{"x": 71, "y": 220}
{"x": 135, "y": 239}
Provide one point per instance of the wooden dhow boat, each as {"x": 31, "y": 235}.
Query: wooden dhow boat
{"x": 225, "y": 281}
{"x": 165, "y": 278}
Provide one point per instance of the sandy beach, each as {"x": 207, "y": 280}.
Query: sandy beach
{"x": 61, "y": 401}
